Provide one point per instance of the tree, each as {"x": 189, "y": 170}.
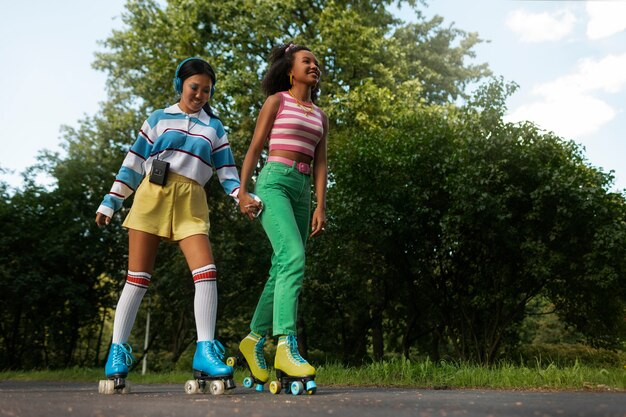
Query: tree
{"x": 356, "y": 41}
{"x": 52, "y": 292}
{"x": 453, "y": 221}
{"x": 445, "y": 221}
{"x": 364, "y": 75}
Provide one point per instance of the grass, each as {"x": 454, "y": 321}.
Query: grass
{"x": 399, "y": 373}
{"x": 427, "y": 374}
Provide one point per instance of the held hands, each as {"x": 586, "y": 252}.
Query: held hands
{"x": 102, "y": 220}
{"x": 318, "y": 222}
{"x": 249, "y": 206}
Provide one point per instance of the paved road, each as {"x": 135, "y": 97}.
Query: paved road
{"x": 25, "y": 399}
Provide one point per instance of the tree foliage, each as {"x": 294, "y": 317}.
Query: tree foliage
{"x": 445, "y": 222}
{"x": 453, "y": 221}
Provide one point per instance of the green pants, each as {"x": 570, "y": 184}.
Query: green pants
{"x": 286, "y": 195}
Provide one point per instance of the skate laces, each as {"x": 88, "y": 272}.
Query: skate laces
{"x": 122, "y": 354}
{"x": 292, "y": 345}
{"x": 215, "y": 351}
{"x": 258, "y": 353}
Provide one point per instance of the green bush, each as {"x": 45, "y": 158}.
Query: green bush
{"x": 569, "y": 354}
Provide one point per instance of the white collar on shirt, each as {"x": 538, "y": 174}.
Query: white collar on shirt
{"x": 175, "y": 109}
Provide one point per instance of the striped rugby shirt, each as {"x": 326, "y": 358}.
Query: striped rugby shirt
{"x": 194, "y": 147}
{"x": 293, "y": 129}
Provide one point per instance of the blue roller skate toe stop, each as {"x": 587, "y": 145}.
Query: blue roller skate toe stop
{"x": 311, "y": 386}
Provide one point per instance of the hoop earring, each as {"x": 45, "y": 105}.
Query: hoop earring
{"x": 290, "y": 79}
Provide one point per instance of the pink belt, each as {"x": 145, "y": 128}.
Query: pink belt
{"x": 300, "y": 166}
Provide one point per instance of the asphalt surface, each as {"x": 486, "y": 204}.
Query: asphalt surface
{"x": 24, "y": 399}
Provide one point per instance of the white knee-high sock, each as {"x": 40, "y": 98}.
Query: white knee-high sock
{"x": 205, "y": 301}
{"x": 136, "y": 286}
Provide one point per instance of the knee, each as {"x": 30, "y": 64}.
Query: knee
{"x": 296, "y": 260}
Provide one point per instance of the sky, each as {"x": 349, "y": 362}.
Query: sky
{"x": 568, "y": 57}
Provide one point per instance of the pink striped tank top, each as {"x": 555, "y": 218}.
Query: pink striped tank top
{"x": 295, "y": 129}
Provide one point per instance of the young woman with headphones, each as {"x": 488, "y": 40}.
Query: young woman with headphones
{"x": 176, "y": 152}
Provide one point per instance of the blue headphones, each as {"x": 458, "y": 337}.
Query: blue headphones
{"x": 178, "y": 83}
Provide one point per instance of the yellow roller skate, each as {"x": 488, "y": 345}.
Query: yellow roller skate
{"x": 251, "y": 352}
{"x": 293, "y": 372}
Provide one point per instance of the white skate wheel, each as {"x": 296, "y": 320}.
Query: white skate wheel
{"x": 126, "y": 389}
{"x": 217, "y": 387}
{"x": 106, "y": 386}
{"x": 192, "y": 387}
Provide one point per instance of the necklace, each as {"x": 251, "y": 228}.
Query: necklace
{"x": 307, "y": 109}
{"x": 196, "y": 116}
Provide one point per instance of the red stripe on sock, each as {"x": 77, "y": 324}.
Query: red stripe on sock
{"x": 138, "y": 280}
{"x": 209, "y": 275}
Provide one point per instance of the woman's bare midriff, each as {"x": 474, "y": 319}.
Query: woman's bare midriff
{"x": 294, "y": 156}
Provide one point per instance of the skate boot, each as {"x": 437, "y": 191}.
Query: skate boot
{"x": 251, "y": 352}
{"x": 116, "y": 370}
{"x": 294, "y": 373}
{"x": 208, "y": 366}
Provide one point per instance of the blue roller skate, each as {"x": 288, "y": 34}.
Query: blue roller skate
{"x": 116, "y": 370}
{"x": 208, "y": 366}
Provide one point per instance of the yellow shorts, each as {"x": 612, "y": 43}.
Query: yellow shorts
{"x": 174, "y": 211}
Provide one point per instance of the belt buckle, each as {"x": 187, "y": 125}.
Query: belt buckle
{"x": 303, "y": 168}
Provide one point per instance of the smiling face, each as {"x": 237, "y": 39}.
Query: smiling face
{"x": 196, "y": 93}
{"x": 305, "y": 68}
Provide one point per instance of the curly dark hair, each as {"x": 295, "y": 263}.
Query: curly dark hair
{"x": 280, "y": 62}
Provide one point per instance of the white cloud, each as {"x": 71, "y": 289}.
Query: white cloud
{"x": 570, "y": 116}
{"x": 569, "y": 106}
{"x": 606, "y": 18}
{"x": 541, "y": 27}
{"x": 606, "y": 75}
